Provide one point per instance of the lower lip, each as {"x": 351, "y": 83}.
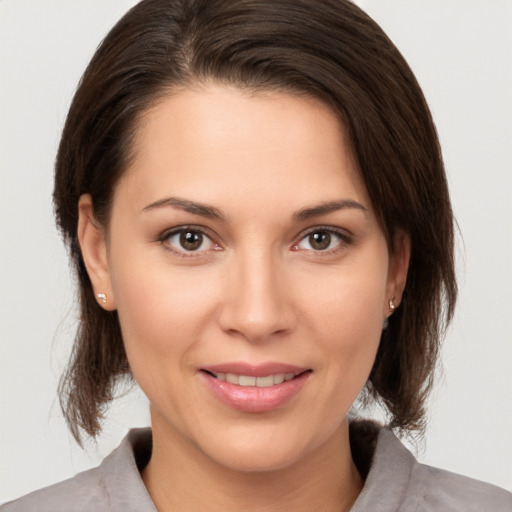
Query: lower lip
{"x": 252, "y": 398}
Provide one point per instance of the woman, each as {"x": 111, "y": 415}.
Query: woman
{"x": 256, "y": 206}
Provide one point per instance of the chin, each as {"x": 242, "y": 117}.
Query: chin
{"x": 255, "y": 459}
{"x": 262, "y": 450}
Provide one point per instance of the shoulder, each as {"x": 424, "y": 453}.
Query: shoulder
{"x": 114, "y": 485}
{"x": 84, "y": 491}
{"x": 435, "y": 489}
{"x": 398, "y": 482}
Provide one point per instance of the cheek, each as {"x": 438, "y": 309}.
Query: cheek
{"x": 348, "y": 316}
{"x": 162, "y": 310}
{"x": 350, "y": 300}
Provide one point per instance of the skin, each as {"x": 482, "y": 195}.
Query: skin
{"x": 258, "y": 289}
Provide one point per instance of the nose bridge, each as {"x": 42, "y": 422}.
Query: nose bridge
{"x": 256, "y": 304}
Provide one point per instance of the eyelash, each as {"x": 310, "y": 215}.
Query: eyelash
{"x": 166, "y": 235}
{"x": 344, "y": 240}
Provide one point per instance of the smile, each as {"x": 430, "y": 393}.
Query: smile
{"x": 255, "y": 389}
{"x": 250, "y": 380}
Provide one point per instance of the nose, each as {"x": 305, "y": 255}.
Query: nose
{"x": 256, "y": 303}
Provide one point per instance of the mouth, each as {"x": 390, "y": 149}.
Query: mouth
{"x": 266, "y": 381}
{"x": 255, "y": 389}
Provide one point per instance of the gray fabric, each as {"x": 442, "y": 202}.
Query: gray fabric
{"x": 115, "y": 485}
{"x": 396, "y": 483}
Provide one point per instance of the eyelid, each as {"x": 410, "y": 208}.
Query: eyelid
{"x": 343, "y": 234}
{"x": 166, "y": 234}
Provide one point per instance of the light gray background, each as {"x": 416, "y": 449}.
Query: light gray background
{"x": 461, "y": 52}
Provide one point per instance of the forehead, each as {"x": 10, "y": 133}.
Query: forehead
{"x": 216, "y": 141}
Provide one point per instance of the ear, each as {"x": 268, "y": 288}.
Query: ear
{"x": 399, "y": 257}
{"x": 93, "y": 245}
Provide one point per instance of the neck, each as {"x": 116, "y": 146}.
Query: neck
{"x": 181, "y": 477}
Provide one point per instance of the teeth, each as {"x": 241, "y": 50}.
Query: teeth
{"x": 264, "y": 382}
{"x": 232, "y": 378}
{"x": 248, "y": 380}
{"x": 245, "y": 380}
{"x": 279, "y": 378}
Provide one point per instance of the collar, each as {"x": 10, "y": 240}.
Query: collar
{"x": 379, "y": 456}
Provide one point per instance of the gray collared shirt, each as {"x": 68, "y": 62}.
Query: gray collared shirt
{"x": 395, "y": 482}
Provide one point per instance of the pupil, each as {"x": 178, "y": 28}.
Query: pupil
{"x": 191, "y": 240}
{"x": 320, "y": 240}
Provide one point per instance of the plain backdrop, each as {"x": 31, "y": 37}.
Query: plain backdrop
{"x": 461, "y": 52}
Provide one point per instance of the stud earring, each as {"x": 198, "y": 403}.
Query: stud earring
{"x": 102, "y": 297}
{"x": 392, "y": 306}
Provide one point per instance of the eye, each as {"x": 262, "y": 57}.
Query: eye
{"x": 188, "y": 240}
{"x": 321, "y": 240}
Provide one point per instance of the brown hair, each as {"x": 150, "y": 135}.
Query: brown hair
{"x": 326, "y": 49}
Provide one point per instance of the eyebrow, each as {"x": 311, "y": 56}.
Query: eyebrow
{"x": 326, "y": 208}
{"x": 211, "y": 212}
{"x": 203, "y": 210}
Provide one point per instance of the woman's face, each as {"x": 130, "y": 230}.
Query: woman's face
{"x": 249, "y": 272}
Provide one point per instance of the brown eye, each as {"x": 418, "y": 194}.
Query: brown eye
{"x": 320, "y": 240}
{"x": 188, "y": 240}
{"x": 323, "y": 240}
{"x": 191, "y": 240}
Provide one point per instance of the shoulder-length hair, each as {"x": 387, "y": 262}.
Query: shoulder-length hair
{"x": 329, "y": 50}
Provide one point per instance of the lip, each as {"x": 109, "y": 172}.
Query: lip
{"x": 253, "y": 399}
{"x": 258, "y": 370}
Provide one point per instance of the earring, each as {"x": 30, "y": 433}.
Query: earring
{"x": 392, "y": 306}
{"x": 102, "y": 297}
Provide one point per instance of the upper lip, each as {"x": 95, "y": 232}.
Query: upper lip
{"x": 254, "y": 370}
